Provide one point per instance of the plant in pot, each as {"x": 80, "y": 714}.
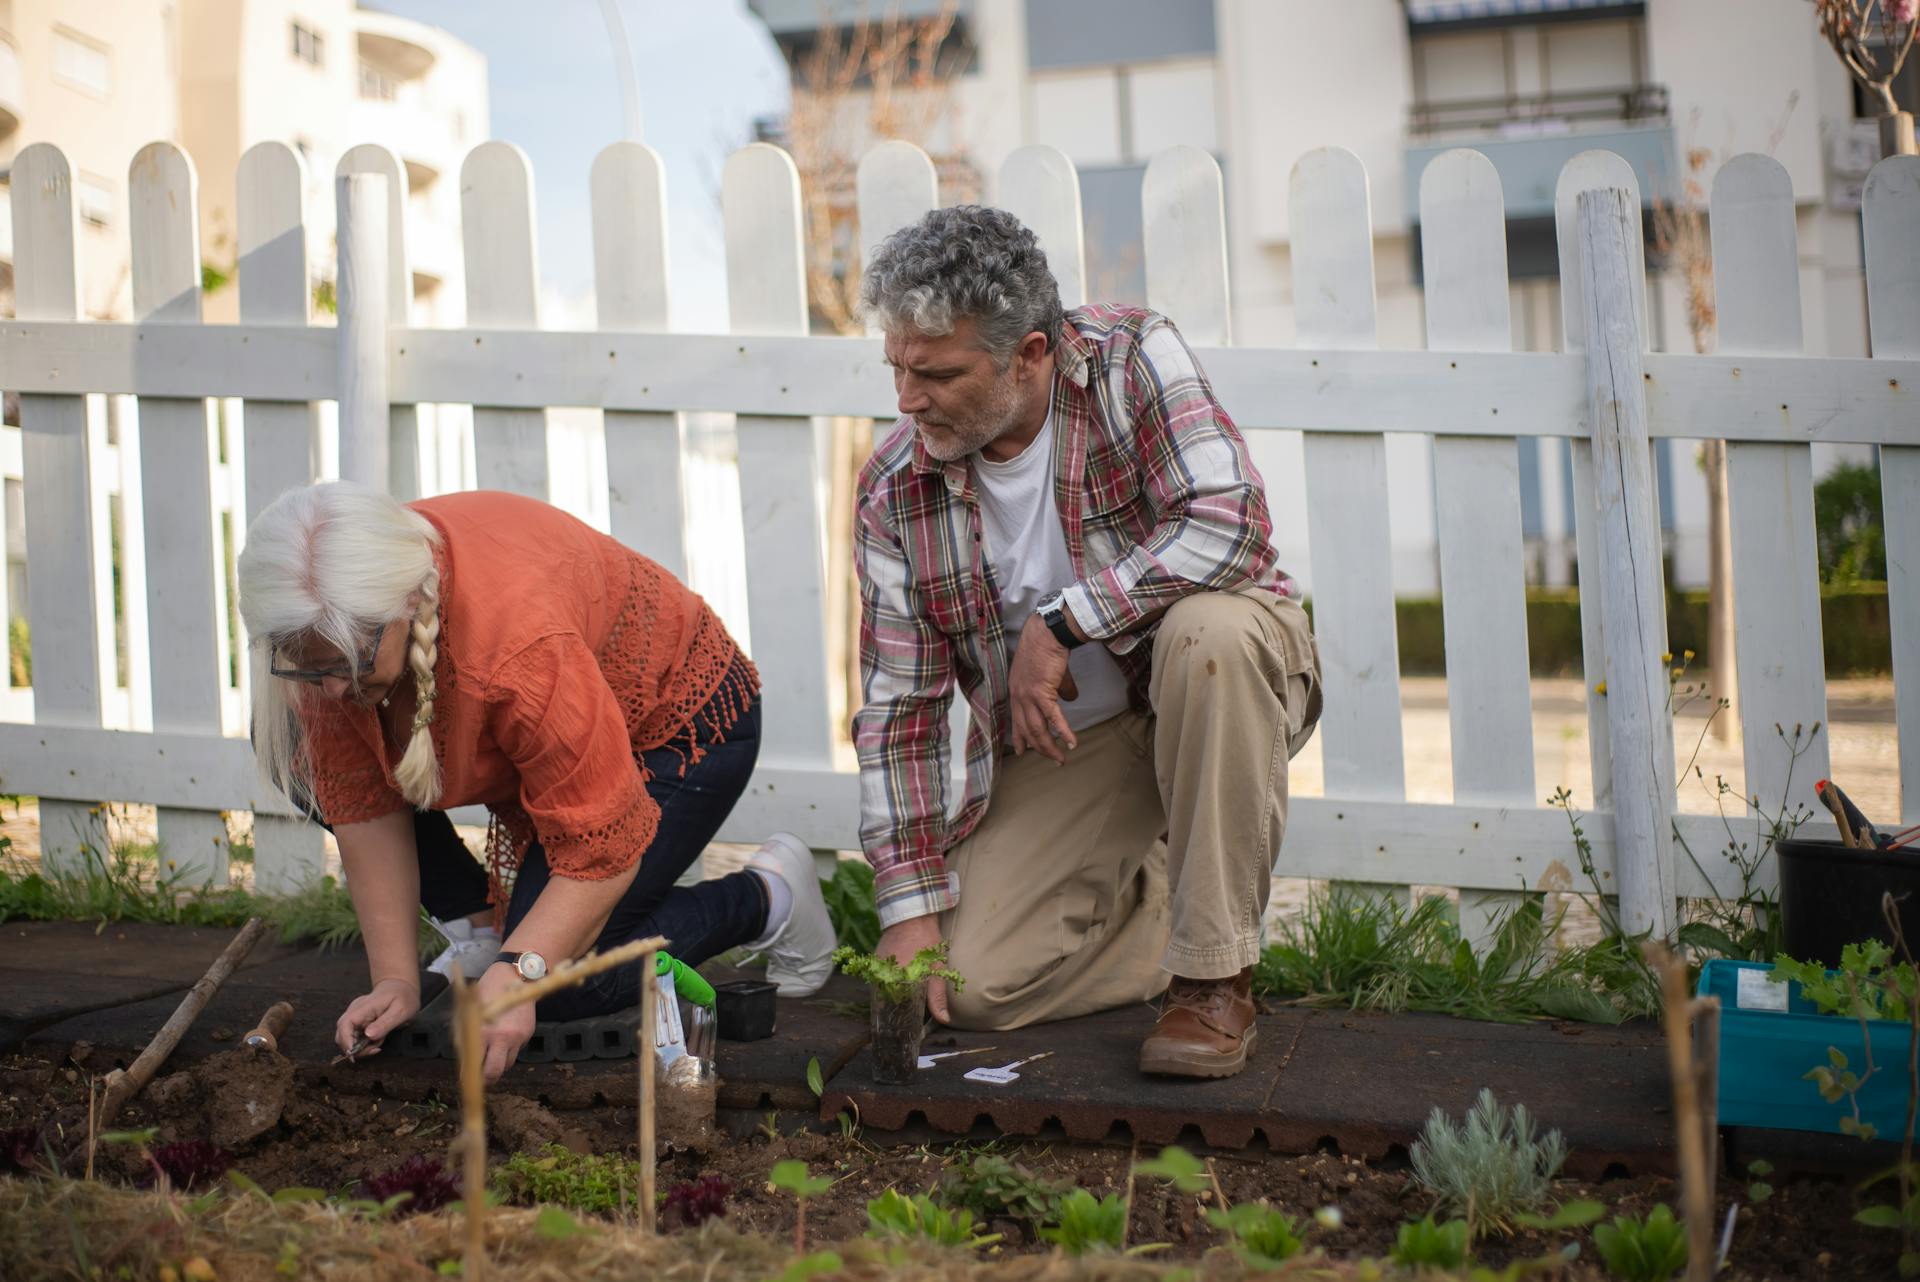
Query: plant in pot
{"x": 898, "y": 1001}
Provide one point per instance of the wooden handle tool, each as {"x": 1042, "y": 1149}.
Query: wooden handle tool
{"x": 272, "y": 1027}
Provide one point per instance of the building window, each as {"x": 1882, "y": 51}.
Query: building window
{"x": 308, "y": 45}
{"x": 377, "y": 84}
{"x": 93, "y": 198}
{"x": 83, "y": 64}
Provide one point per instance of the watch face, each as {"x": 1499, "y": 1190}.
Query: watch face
{"x": 531, "y": 966}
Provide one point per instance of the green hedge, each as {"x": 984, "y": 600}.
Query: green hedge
{"x": 1853, "y": 622}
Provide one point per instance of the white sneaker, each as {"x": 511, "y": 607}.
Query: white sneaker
{"x": 799, "y": 953}
{"x": 471, "y": 948}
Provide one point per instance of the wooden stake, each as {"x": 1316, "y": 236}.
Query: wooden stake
{"x": 93, "y": 1132}
{"x": 1706, "y": 1069}
{"x": 467, "y": 1025}
{"x": 643, "y": 1047}
{"x": 1695, "y": 1182}
{"x": 122, "y": 1086}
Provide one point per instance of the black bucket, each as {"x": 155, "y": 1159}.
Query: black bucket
{"x": 1830, "y": 897}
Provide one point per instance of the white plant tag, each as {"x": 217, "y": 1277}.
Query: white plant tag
{"x": 1004, "y": 1074}
{"x": 1754, "y": 991}
{"x": 927, "y": 1061}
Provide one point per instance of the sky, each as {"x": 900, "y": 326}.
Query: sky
{"x": 706, "y": 70}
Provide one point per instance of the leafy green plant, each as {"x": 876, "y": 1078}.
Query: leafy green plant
{"x": 1087, "y": 1223}
{"x": 893, "y": 1215}
{"x": 1652, "y": 1249}
{"x": 1848, "y": 525}
{"x": 1758, "y": 1190}
{"x": 1262, "y": 1236}
{"x": 1490, "y": 1169}
{"x": 892, "y": 981}
{"x": 1177, "y": 1167}
{"x": 850, "y": 905}
{"x": 1423, "y": 1244}
{"x": 590, "y": 1182}
{"x": 793, "y": 1177}
{"x": 1903, "y": 1218}
{"x": 991, "y": 1186}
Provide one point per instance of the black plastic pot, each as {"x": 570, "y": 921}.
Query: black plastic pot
{"x": 898, "y": 1028}
{"x": 1830, "y": 897}
{"x": 744, "y": 1009}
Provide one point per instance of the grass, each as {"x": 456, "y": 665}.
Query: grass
{"x": 1370, "y": 952}
{"x": 64, "y": 1229}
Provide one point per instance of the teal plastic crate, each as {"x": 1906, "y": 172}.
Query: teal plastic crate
{"x": 1765, "y": 1054}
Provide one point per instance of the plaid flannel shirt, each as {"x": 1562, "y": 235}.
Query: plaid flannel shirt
{"x": 1158, "y": 499}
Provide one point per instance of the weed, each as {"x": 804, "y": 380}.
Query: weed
{"x": 1177, "y": 1167}
{"x": 1262, "y": 1236}
{"x": 1087, "y": 1223}
{"x": 694, "y": 1203}
{"x": 1423, "y": 1244}
{"x": 892, "y": 981}
{"x": 1643, "y": 1250}
{"x": 793, "y": 1177}
{"x": 1492, "y": 1168}
{"x": 892, "y": 1215}
{"x": 424, "y": 1183}
{"x": 991, "y": 1186}
{"x": 579, "y": 1182}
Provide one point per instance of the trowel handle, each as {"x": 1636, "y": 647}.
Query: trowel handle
{"x": 271, "y": 1028}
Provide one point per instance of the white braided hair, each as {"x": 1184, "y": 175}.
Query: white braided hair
{"x": 338, "y": 563}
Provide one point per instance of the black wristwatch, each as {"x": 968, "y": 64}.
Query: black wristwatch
{"x": 1053, "y": 612}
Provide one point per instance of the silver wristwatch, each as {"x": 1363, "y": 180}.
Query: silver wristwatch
{"x": 1053, "y": 612}
{"x": 529, "y": 965}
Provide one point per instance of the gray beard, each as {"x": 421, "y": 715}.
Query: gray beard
{"x": 994, "y": 420}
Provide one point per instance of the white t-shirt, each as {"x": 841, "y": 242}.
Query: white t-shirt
{"x": 1028, "y": 552}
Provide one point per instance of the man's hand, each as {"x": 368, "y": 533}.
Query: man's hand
{"x": 504, "y": 1037}
{"x": 391, "y": 1003}
{"x": 903, "y": 940}
{"x": 1037, "y": 681}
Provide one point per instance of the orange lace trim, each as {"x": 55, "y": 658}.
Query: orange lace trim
{"x": 713, "y": 678}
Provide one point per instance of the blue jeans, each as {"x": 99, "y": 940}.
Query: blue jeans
{"x": 699, "y": 921}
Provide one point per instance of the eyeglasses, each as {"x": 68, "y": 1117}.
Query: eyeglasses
{"x": 314, "y": 677}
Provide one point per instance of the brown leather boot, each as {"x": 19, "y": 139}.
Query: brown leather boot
{"x": 1206, "y": 1028}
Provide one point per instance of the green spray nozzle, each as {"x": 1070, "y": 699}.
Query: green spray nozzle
{"x": 687, "y": 983}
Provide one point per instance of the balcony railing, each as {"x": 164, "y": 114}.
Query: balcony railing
{"x": 1520, "y": 115}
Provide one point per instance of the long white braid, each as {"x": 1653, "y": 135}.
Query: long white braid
{"x": 419, "y": 771}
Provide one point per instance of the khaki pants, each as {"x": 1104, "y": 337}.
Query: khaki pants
{"x": 1150, "y": 852}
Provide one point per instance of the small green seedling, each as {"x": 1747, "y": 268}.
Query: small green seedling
{"x": 1648, "y": 1250}
{"x": 1088, "y": 1223}
{"x": 1262, "y": 1236}
{"x": 893, "y": 982}
{"x": 793, "y": 1177}
{"x": 892, "y": 1215}
{"x": 1423, "y": 1244}
{"x": 1905, "y": 1218}
{"x": 1568, "y": 1215}
{"x": 990, "y": 1185}
{"x": 1758, "y": 1190}
{"x": 1177, "y": 1167}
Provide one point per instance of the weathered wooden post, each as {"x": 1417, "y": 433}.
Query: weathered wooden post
{"x": 361, "y": 200}
{"x": 1640, "y": 762}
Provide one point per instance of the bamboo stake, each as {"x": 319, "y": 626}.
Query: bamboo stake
{"x": 467, "y": 1024}
{"x": 643, "y": 1048}
{"x": 1706, "y": 1068}
{"x": 123, "y": 1085}
{"x": 1694, "y": 1187}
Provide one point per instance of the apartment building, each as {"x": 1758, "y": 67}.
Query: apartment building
{"x": 1529, "y": 82}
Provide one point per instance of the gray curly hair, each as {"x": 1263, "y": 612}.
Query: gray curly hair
{"x": 969, "y": 260}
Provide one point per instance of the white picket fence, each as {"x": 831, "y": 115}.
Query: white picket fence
{"x": 1324, "y": 407}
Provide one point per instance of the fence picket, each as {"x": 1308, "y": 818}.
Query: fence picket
{"x": 1776, "y": 561}
{"x": 177, "y": 454}
{"x": 780, "y": 457}
{"x": 646, "y": 502}
{"x": 1476, "y": 483}
{"x": 1890, "y": 207}
{"x": 896, "y": 186}
{"x": 57, "y": 447}
{"x": 1347, "y": 507}
{"x": 282, "y": 437}
{"x": 503, "y": 291}
{"x": 1184, "y": 238}
{"x": 1040, "y": 187}
{"x": 405, "y": 466}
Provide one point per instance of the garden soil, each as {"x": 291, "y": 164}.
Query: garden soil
{"x": 329, "y": 1140}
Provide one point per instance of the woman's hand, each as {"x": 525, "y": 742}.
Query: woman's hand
{"x": 391, "y": 1003}
{"x": 504, "y": 1037}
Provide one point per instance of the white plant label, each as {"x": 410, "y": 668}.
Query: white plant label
{"x": 927, "y": 1061}
{"x": 1004, "y": 1074}
{"x": 1754, "y": 991}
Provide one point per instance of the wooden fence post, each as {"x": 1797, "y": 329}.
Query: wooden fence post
{"x": 1641, "y": 745}
{"x": 1890, "y": 207}
{"x": 405, "y": 466}
{"x": 362, "y": 234}
{"x": 503, "y": 290}
{"x": 1040, "y": 187}
{"x": 282, "y": 437}
{"x": 63, "y": 613}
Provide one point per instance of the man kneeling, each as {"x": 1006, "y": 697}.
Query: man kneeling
{"x": 1067, "y": 526}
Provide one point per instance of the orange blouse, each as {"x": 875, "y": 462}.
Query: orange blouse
{"x": 563, "y": 656}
